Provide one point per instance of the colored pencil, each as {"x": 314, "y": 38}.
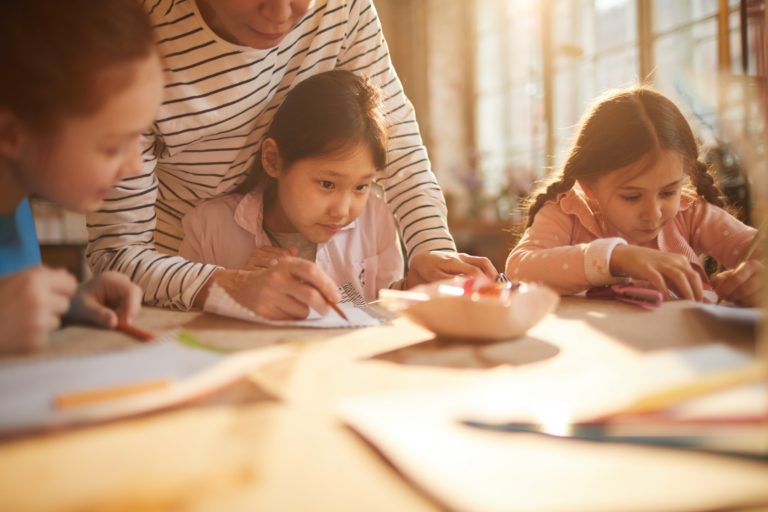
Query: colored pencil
{"x": 139, "y": 334}
{"x": 90, "y": 396}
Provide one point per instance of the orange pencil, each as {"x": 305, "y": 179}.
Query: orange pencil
{"x": 336, "y": 308}
{"x": 79, "y": 398}
{"x": 139, "y": 334}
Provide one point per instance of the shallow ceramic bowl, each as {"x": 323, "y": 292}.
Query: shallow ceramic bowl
{"x": 480, "y": 317}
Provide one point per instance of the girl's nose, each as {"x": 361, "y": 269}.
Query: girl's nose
{"x": 339, "y": 208}
{"x": 652, "y": 210}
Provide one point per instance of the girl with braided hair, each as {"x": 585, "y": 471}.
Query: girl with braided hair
{"x": 634, "y": 200}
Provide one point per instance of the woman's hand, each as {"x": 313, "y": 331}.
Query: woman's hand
{"x": 428, "y": 267}
{"x": 284, "y": 291}
{"x": 33, "y": 302}
{"x": 106, "y": 299}
{"x": 263, "y": 258}
{"x": 742, "y": 285}
{"x": 665, "y": 271}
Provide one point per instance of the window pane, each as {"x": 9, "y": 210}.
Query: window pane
{"x": 670, "y": 14}
{"x": 489, "y": 73}
{"x": 615, "y": 23}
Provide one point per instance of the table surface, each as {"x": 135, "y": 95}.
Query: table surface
{"x": 280, "y": 446}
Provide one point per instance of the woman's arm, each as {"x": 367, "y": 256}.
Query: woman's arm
{"x": 410, "y": 188}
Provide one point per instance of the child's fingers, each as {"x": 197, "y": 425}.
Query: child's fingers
{"x": 60, "y": 281}
{"x": 283, "y": 307}
{"x": 685, "y": 282}
{"x": 742, "y": 285}
{"x": 266, "y": 257}
{"x": 130, "y": 303}
{"x": 657, "y": 280}
{"x": 308, "y": 273}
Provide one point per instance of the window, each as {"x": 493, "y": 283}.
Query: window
{"x": 508, "y": 97}
{"x": 539, "y": 64}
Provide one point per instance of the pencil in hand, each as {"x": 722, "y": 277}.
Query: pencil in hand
{"x": 336, "y": 308}
{"x": 135, "y": 332}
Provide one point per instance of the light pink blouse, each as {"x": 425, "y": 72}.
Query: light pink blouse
{"x": 567, "y": 249}
{"x": 365, "y": 254}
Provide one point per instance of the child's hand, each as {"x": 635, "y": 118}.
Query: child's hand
{"x": 105, "y": 299}
{"x": 742, "y": 285}
{"x": 284, "y": 291}
{"x": 428, "y": 267}
{"x": 264, "y": 257}
{"x": 33, "y": 302}
{"x": 663, "y": 270}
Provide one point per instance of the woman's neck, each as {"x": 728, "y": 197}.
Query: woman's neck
{"x": 11, "y": 191}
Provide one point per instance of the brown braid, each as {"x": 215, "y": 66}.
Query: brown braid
{"x": 551, "y": 191}
{"x": 705, "y": 184}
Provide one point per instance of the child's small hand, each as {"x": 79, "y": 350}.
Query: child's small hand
{"x": 264, "y": 257}
{"x": 742, "y": 285}
{"x": 284, "y": 291}
{"x": 33, "y": 302}
{"x": 433, "y": 266}
{"x": 663, "y": 270}
{"x": 105, "y": 299}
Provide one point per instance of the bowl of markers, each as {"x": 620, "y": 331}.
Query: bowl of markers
{"x": 474, "y": 308}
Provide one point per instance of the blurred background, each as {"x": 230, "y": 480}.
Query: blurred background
{"x": 499, "y": 87}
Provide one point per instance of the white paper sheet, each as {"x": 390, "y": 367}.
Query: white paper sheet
{"x": 467, "y": 468}
{"x": 28, "y": 389}
{"x": 221, "y": 303}
{"x": 733, "y": 313}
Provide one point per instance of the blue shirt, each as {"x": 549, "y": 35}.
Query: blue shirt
{"x": 19, "y": 247}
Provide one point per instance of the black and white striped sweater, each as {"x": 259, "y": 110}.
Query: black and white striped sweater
{"x": 219, "y": 100}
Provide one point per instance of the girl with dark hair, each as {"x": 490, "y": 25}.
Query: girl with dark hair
{"x": 86, "y": 81}
{"x": 306, "y": 216}
{"x": 634, "y": 200}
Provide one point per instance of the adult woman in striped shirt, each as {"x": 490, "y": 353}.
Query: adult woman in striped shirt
{"x": 228, "y": 65}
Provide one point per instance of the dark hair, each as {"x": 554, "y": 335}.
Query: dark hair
{"x": 325, "y": 113}
{"x": 622, "y": 128}
{"x": 55, "y": 54}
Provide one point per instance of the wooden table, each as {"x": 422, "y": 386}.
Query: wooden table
{"x": 290, "y": 452}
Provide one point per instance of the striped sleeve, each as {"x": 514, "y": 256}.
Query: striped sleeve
{"x": 121, "y": 237}
{"x": 410, "y": 187}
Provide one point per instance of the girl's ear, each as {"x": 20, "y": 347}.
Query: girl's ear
{"x": 10, "y": 136}
{"x": 270, "y": 157}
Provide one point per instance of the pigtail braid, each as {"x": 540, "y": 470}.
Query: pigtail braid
{"x": 705, "y": 184}
{"x": 554, "y": 189}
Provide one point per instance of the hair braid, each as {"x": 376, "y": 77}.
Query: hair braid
{"x": 555, "y": 188}
{"x": 705, "y": 184}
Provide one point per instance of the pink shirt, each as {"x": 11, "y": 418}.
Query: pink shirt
{"x": 567, "y": 249}
{"x": 365, "y": 254}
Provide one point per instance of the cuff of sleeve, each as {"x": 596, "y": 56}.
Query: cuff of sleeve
{"x": 597, "y": 260}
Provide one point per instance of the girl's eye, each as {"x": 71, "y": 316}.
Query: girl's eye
{"x": 669, "y": 193}
{"x": 362, "y": 188}
{"x": 631, "y": 199}
{"x": 327, "y": 185}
